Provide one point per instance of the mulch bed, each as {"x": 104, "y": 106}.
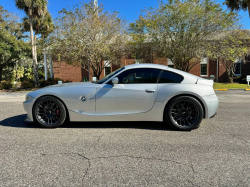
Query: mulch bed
{"x": 20, "y": 89}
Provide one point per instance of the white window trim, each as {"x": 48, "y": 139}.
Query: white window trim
{"x": 170, "y": 62}
{"x": 204, "y": 61}
{"x": 237, "y": 61}
{"x": 107, "y": 64}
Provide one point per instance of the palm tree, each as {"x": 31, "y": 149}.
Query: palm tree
{"x": 43, "y": 26}
{"x": 33, "y": 9}
{"x": 238, "y": 5}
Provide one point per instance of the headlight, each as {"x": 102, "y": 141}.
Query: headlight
{"x": 28, "y": 97}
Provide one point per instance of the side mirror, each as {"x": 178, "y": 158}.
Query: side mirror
{"x": 115, "y": 80}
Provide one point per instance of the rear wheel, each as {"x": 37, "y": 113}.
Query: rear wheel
{"x": 49, "y": 111}
{"x": 184, "y": 113}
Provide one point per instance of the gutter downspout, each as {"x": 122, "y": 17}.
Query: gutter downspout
{"x": 88, "y": 71}
{"x": 217, "y": 70}
{"x": 51, "y": 68}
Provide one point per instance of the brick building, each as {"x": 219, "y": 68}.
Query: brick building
{"x": 206, "y": 68}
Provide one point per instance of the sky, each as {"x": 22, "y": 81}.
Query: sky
{"x": 128, "y": 9}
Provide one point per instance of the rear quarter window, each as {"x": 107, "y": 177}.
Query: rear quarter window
{"x": 170, "y": 77}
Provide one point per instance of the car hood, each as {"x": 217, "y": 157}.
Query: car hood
{"x": 70, "y": 84}
{"x": 58, "y": 88}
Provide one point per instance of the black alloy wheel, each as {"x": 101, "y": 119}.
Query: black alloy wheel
{"x": 184, "y": 113}
{"x": 49, "y": 111}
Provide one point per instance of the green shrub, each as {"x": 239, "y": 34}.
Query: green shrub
{"x": 240, "y": 79}
{"x": 14, "y": 86}
{"x": 44, "y": 83}
{"x": 66, "y": 81}
{"x": 27, "y": 84}
{"x": 56, "y": 80}
{"x": 5, "y": 85}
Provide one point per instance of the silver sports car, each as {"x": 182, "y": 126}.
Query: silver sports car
{"x": 140, "y": 92}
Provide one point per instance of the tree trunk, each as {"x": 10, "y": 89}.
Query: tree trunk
{"x": 35, "y": 37}
{"x": 1, "y": 73}
{"x": 230, "y": 78}
{"x": 35, "y": 48}
{"x": 36, "y": 78}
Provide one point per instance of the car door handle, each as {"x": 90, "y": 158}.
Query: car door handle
{"x": 149, "y": 91}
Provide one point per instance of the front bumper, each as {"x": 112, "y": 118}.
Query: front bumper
{"x": 27, "y": 105}
{"x": 28, "y": 120}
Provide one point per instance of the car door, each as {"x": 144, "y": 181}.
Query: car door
{"x": 136, "y": 92}
{"x": 80, "y": 98}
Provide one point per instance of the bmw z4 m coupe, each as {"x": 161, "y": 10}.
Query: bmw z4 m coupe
{"x": 139, "y": 92}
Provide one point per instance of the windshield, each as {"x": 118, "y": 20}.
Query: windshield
{"x": 109, "y": 76}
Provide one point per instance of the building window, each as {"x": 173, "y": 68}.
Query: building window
{"x": 204, "y": 67}
{"x": 237, "y": 68}
{"x": 107, "y": 71}
{"x": 107, "y": 67}
{"x": 171, "y": 66}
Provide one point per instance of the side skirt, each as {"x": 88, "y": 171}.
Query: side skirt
{"x": 155, "y": 114}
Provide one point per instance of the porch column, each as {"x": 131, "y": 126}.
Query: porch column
{"x": 45, "y": 66}
{"x": 51, "y": 68}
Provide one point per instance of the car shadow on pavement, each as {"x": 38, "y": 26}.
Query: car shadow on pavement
{"x": 147, "y": 125}
{"x": 18, "y": 122}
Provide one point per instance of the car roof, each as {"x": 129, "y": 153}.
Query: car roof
{"x": 146, "y": 66}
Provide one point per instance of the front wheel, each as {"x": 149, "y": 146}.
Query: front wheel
{"x": 184, "y": 113}
{"x": 49, "y": 111}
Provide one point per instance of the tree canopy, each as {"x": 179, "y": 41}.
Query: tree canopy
{"x": 230, "y": 47}
{"x": 12, "y": 46}
{"x": 238, "y": 5}
{"x": 87, "y": 35}
{"x": 34, "y": 9}
{"x": 181, "y": 30}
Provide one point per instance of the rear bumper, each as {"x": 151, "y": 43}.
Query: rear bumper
{"x": 212, "y": 103}
{"x": 214, "y": 115}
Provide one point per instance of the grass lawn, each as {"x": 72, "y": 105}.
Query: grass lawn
{"x": 230, "y": 86}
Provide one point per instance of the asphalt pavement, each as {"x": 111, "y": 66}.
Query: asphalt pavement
{"x": 126, "y": 153}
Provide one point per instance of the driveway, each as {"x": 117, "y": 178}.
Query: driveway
{"x": 126, "y": 154}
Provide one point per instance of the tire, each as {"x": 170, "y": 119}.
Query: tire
{"x": 50, "y": 112}
{"x": 184, "y": 113}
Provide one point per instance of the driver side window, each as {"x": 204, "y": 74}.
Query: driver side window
{"x": 139, "y": 76}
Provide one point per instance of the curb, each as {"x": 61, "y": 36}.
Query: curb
{"x": 221, "y": 89}
{"x": 232, "y": 89}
